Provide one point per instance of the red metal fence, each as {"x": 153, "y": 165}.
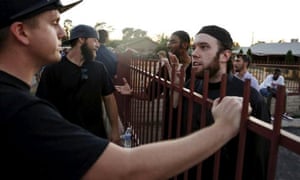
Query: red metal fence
{"x": 146, "y": 116}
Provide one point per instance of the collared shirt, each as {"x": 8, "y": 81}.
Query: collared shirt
{"x": 247, "y": 75}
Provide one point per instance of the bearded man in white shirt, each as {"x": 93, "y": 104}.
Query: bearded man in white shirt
{"x": 268, "y": 88}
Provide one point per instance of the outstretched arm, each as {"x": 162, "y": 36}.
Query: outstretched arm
{"x": 124, "y": 89}
{"x": 167, "y": 158}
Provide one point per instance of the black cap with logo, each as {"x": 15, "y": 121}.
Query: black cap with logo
{"x": 16, "y": 10}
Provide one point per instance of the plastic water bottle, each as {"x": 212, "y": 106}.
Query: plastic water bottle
{"x": 127, "y": 138}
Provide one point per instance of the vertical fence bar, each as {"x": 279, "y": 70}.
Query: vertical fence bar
{"x": 170, "y": 108}
{"x": 143, "y": 116}
{"x": 136, "y": 62}
{"x": 203, "y": 111}
{"x": 152, "y": 104}
{"x": 136, "y": 93}
{"x": 280, "y": 95}
{"x": 190, "y": 103}
{"x": 190, "y": 110}
{"x": 158, "y": 104}
{"x": 145, "y": 108}
{"x": 164, "y": 97}
{"x": 243, "y": 131}
{"x": 179, "y": 104}
{"x": 218, "y": 153}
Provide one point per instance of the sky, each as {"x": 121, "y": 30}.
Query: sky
{"x": 248, "y": 21}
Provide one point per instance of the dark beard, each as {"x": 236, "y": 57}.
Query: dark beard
{"x": 275, "y": 77}
{"x": 213, "y": 68}
{"x": 86, "y": 52}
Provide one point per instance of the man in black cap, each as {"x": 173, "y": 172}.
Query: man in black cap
{"x": 78, "y": 84}
{"x": 212, "y": 52}
{"x": 38, "y": 143}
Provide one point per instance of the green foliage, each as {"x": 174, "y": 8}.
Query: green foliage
{"x": 113, "y": 43}
{"x": 236, "y": 46}
{"x": 289, "y": 58}
{"x": 103, "y": 25}
{"x": 249, "y": 53}
{"x": 162, "y": 43}
{"x": 131, "y": 33}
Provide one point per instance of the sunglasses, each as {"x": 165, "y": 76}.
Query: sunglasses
{"x": 84, "y": 75}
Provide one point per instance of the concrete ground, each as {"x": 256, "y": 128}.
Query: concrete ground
{"x": 288, "y": 163}
{"x": 292, "y": 123}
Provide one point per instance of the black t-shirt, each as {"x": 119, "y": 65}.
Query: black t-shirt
{"x": 108, "y": 58}
{"x": 36, "y": 141}
{"x": 77, "y": 92}
{"x": 257, "y": 148}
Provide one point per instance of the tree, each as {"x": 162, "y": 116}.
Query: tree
{"x": 131, "y": 33}
{"x": 100, "y": 25}
{"x": 103, "y": 25}
{"x": 138, "y": 33}
{"x": 249, "y": 52}
{"x": 236, "y": 46}
{"x": 67, "y": 28}
{"x": 113, "y": 43}
{"x": 162, "y": 42}
{"x": 127, "y": 33}
{"x": 289, "y": 58}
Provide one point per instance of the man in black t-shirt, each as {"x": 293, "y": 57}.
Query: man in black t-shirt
{"x": 78, "y": 84}
{"x": 105, "y": 55}
{"x": 212, "y": 52}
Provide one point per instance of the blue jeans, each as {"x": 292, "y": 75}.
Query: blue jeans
{"x": 264, "y": 92}
{"x": 269, "y": 93}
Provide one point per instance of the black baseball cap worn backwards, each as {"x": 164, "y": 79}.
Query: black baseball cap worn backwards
{"x": 82, "y": 31}
{"x": 16, "y": 10}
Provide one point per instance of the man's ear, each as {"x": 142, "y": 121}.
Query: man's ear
{"x": 81, "y": 40}
{"x": 226, "y": 55}
{"x": 18, "y": 31}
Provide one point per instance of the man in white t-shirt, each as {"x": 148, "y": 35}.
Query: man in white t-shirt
{"x": 270, "y": 84}
{"x": 268, "y": 88}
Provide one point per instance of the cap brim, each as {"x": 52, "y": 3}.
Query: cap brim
{"x": 43, "y": 7}
{"x": 69, "y": 6}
